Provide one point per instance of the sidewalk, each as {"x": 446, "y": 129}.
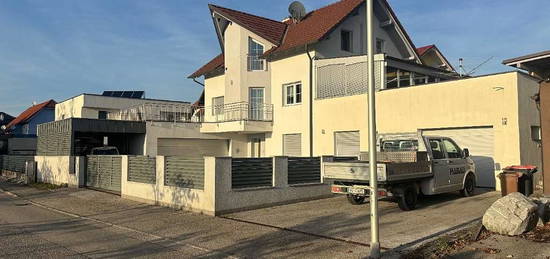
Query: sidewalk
{"x": 211, "y": 235}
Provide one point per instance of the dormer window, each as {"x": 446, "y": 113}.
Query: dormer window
{"x": 346, "y": 40}
{"x": 255, "y": 51}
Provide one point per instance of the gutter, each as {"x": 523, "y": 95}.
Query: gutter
{"x": 195, "y": 80}
{"x": 310, "y": 101}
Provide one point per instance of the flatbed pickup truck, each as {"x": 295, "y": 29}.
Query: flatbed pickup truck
{"x": 407, "y": 165}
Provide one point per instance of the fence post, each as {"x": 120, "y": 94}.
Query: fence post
{"x": 123, "y": 175}
{"x": 280, "y": 171}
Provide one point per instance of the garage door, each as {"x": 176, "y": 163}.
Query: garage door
{"x": 104, "y": 172}
{"x": 480, "y": 142}
{"x": 346, "y": 143}
{"x": 197, "y": 148}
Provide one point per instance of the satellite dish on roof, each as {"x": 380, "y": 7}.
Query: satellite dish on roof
{"x": 297, "y": 11}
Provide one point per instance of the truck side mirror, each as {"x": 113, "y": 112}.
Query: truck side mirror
{"x": 466, "y": 153}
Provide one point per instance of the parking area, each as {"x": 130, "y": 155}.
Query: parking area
{"x": 336, "y": 218}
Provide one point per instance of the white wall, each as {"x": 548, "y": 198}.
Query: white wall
{"x": 60, "y": 170}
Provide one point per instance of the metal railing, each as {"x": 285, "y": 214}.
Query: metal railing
{"x": 255, "y": 63}
{"x": 240, "y": 111}
{"x": 159, "y": 112}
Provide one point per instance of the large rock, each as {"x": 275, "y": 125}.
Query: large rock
{"x": 513, "y": 214}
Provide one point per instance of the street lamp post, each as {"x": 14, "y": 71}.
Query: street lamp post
{"x": 374, "y": 243}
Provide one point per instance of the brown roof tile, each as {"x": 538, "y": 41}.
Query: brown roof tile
{"x": 270, "y": 30}
{"x": 212, "y": 65}
{"x": 31, "y": 111}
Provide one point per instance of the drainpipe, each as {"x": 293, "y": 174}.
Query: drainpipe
{"x": 310, "y": 101}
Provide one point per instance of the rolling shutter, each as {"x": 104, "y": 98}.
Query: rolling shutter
{"x": 346, "y": 143}
{"x": 192, "y": 148}
{"x": 292, "y": 145}
{"x": 480, "y": 142}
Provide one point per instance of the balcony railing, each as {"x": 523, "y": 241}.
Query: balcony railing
{"x": 240, "y": 111}
{"x": 159, "y": 112}
{"x": 255, "y": 63}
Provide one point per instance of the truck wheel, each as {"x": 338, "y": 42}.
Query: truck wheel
{"x": 469, "y": 186}
{"x": 407, "y": 201}
{"x": 356, "y": 200}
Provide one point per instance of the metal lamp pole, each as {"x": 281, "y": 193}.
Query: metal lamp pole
{"x": 374, "y": 243}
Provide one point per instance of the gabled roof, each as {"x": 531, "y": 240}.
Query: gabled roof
{"x": 212, "y": 65}
{"x": 422, "y": 50}
{"x": 315, "y": 26}
{"x": 30, "y": 112}
{"x": 268, "y": 29}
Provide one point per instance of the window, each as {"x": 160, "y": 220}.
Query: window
{"x": 102, "y": 115}
{"x": 255, "y": 51}
{"x": 452, "y": 149}
{"x": 292, "y": 93}
{"x": 379, "y": 46}
{"x": 347, "y": 39}
{"x": 536, "y": 133}
{"x": 437, "y": 152}
{"x": 256, "y": 103}
{"x": 217, "y": 105}
{"x": 25, "y": 129}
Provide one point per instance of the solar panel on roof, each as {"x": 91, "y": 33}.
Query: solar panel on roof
{"x": 125, "y": 94}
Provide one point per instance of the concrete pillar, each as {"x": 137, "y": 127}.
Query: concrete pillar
{"x": 280, "y": 172}
{"x": 124, "y": 175}
{"x": 545, "y": 132}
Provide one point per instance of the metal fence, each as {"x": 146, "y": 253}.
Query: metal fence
{"x": 161, "y": 112}
{"x": 14, "y": 163}
{"x": 184, "y": 172}
{"x": 251, "y": 172}
{"x": 142, "y": 169}
{"x": 239, "y": 111}
{"x": 304, "y": 170}
{"x": 104, "y": 172}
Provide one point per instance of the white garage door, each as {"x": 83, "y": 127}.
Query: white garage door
{"x": 192, "y": 147}
{"x": 346, "y": 143}
{"x": 480, "y": 142}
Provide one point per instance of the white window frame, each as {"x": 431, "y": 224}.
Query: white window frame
{"x": 382, "y": 45}
{"x": 293, "y": 94}
{"x": 251, "y": 58}
{"x": 350, "y": 40}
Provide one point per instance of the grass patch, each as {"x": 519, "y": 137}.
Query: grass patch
{"x": 45, "y": 186}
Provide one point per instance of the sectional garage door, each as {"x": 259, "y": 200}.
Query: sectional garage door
{"x": 480, "y": 142}
{"x": 346, "y": 143}
{"x": 196, "y": 148}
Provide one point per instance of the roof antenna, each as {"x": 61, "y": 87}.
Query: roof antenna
{"x": 297, "y": 11}
{"x": 478, "y": 66}
{"x": 34, "y": 103}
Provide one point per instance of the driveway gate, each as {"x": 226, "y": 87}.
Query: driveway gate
{"x": 104, "y": 172}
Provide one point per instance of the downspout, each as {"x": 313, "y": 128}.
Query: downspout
{"x": 310, "y": 101}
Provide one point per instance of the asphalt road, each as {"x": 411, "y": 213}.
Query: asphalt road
{"x": 91, "y": 224}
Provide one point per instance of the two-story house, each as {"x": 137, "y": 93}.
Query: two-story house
{"x": 297, "y": 87}
{"x": 22, "y": 129}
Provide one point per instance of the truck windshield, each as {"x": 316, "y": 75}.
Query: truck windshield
{"x": 399, "y": 145}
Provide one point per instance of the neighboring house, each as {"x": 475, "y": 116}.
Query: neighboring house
{"x": 538, "y": 64}
{"x": 22, "y": 129}
{"x": 432, "y": 56}
{"x": 135, "y": 125}
{"x": 298, "y": 88}
{"x": 4, "y": 120}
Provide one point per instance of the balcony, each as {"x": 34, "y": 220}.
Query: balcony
{"x": 160, "y": 112}
{"x": 240, "y": 117}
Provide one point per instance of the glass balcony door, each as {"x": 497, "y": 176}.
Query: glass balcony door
{"x": 256, "y": 103}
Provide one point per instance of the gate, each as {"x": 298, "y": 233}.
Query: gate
{"x": 104, "y": 172}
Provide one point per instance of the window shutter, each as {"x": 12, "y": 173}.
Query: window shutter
{"x": 292, "y": 145}
{"x": 347, "y": 143}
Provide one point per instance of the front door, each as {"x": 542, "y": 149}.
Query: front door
{"x": 440, "y": 163}
{"x": 256, "y": 103}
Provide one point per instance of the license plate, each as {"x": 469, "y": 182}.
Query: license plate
{"x": 357, "y": 191}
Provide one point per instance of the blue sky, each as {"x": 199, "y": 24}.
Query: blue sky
{"x": 55, "y": 49}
